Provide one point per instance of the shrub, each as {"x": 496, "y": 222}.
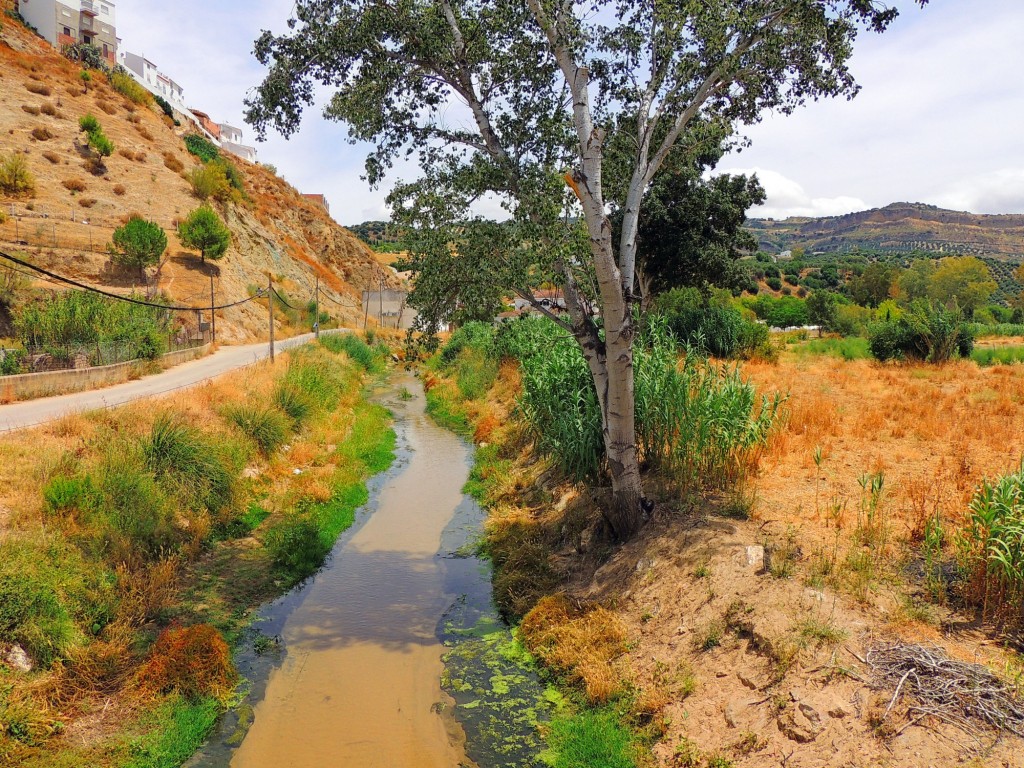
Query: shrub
{"x": 126, "y": 85}
{"x": 210, "y": 181}
{"x": 296, "y": 546}
{"x": 31, "y": 109}
{"x": 53, "y": 157}
{"x": 927, "y": 332}
{"x": 192, "y": 661}
{"x": 49, "y": 109}
{"x": 774, "y": 283}
{"x": 11, "y": 362}
{"x": 189, "y": 464}
{"x": 476, "y": 335}
{"x": 173, "y": 163}
{"x": 721, "y": 331}
{"x": 74, "y": 185}
{"x": 267, "y": 427}
{"x": 38, "y": 88}
{"x": 164, "y": 105}
{"x": 119, "y": 190}
{"x": 87, "y": 202}
{"x": 144, "y": 133}
{"x": 41, "y": 134}
{"x": 139, "y": 243}
{"x": 201, "y": 147}
{"x": 107, "y": 107}
{"x": 15, "y": 178}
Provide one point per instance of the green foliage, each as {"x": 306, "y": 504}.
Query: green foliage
{"x": 590, "y": 739}
{"x": 990, "y": 548}
{"x": 690, "y": 232}
{"x": 697, "y": 422}
{"x": 783, "y": 312}
{"x": 201, "y": 147}
{"x": 712, "y": 328}
{"x": 203, "y": 230}
{"x": 210, "y": 181}
{"x": 293, "y": 402}
{"x": 965, "y": 280}
{"x": 127, "y": 86}
{"x": 475, "y": 334}
{"x": 139, "y": 243}
{"x": 10, "y": 363}
{"x": 164, "y": 105}
{"x": 191, "y": 465}
{"x": 296, "y": 547}
{"x": 98, "y": 140}
{"x": 823, "y": 309}
{"x": 80, "y": 318}
{"x": 998, "y": 355}
{"x": 847, "y": 348}
{"x": 89, "y": 124}
{"x": 267, "y": 427}
{"x": 352, "y": 345}
{"x": 15, "y": 177}
{"x": 177, "y": 729}
{"x": 926, "y": 332}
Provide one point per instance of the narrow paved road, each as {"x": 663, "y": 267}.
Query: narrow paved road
{"x": 32, "y": 412}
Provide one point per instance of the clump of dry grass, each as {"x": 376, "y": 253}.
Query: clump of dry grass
{"x": 579, "y": 644}
{"x": 87, "y": 202}
{"x": 74, "y": 185}
{"x": 38, "y": 88}
{"x": 31, "y": 109}
{"x": 53, "y": 157}
{"x": 41, "y": 134}
{"x": 173, "y": 163}
{"x": 119, "y": 190}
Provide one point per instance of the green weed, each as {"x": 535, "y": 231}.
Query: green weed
{"x": 590, "y": 739}
{"x": 267, "y": 427}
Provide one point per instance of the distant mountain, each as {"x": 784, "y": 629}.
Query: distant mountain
{"x": 898, "y": 227}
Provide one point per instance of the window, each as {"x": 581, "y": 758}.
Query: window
{"x": 105, "y": 9}
{"x": 67, "y": 31}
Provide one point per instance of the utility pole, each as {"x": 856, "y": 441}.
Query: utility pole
{"x": 213, "y": 315}
{"x": 316, "y": 304}
{"x": 270, "y": 309}
{"x": 380, "y": 312}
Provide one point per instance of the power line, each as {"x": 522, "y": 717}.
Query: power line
{"x": 54, "y": 276}
{"x": 282, "y": 300}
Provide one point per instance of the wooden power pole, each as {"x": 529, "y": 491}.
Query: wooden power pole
{"x": 270, "y": 310}
{"x": 316, "y": 308}
{"x": 213, "y": 315}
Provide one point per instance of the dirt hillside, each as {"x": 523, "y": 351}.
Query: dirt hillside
{"x": 69, "y": 220}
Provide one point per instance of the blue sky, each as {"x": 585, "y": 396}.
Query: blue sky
{"x": 939, "y": 119}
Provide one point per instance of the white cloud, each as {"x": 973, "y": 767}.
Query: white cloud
{"x": 995, "y": 192}
{"x": 786, "y": 197}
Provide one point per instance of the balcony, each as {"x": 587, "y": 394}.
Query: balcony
{"x": 89, "y": 8}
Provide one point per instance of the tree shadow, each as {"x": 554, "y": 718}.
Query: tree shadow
{"x": 119, "y": 276}
{"x": 194, "y": 263}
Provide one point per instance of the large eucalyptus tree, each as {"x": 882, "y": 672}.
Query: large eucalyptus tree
{"x": 513, "y": 100}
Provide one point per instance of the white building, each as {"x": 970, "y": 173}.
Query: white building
{"x": 231, "y": 140}
{"x": 67, "y": 22}
{"x": 152, "y": 79}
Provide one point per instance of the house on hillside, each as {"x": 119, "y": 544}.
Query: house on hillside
{"x": 549, "y": 298}
{"x": 231, "y": 140}
{"x": 320, "y": 200}
{"x": 389, "y": 309}
{"x": 153, "y": 80}
{"x": 210, "y": 128}
{"x": 67, "y": 22}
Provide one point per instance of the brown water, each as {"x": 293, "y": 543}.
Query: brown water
{"x": 359, "y": 684}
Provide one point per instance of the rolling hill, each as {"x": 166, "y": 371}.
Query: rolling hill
{"x": 66, "y": 223}
{"x": 898, "y": 227}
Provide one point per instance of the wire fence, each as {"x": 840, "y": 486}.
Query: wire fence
{"x": 63, "y": 357}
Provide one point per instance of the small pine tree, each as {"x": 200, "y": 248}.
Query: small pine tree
{"x": 202, "y": 230}
{"x": 139, "y": 244}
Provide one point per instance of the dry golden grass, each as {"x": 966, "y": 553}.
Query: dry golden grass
{"x": 580, "y": 644}
{"x": 934, "y": 432}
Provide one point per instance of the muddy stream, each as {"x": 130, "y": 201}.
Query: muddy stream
{"x": 392, "y": 655}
